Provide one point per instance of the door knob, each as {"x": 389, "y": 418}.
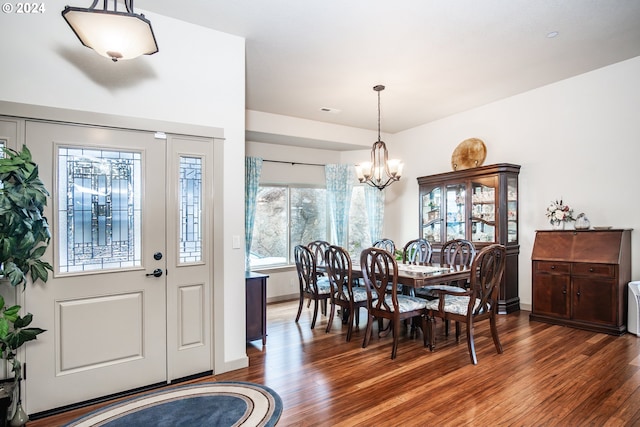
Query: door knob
{"x": 156, "y": 273}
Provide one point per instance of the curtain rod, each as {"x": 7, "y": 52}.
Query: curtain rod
{"x": 293, "y": 163}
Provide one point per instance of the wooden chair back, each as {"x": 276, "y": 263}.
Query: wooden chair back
{"x": 380, "y": 271}
{"x": 386, "y": 244}
{"x": 417, "y": 251}
{"x": 486, "y": 274}
{"x": 458, "y": 252}
{"x": 318, "y": 248}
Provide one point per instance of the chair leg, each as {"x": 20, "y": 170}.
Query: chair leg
{"x": 300, "y": 307}
{"x": 315, "y": 312}
{"x": 350, "y": 324}
{"x": 494, "y": 333}
{"x": 470, "y": 343}
{"x": 332, "y": 309}
{"x": 432, "y": 332}
{"x": 396, "y": 335}
{"x": 368, "y": 332}
{"x": 425, "y": 332}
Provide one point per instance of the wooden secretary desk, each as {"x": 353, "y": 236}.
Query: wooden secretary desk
{"x": 579, "y": 279}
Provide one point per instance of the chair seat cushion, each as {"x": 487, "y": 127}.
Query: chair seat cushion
{"x": 406, "y": 303}
{"x": 324, "y": 287}
{"x": 359, "y": 294}
{"x": 453, "y": 304}
{"x": 432, "y": 291}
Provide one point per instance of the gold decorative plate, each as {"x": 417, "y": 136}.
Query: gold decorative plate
{"x": 470, "y": 153}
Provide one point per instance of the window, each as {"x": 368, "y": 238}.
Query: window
{"x": 286, "y": 216}
{"x": 359, "y": 237}
{"x": 304, "y": 208}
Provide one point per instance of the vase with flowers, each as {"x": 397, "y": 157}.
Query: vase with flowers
{"x": 559, "y": 214}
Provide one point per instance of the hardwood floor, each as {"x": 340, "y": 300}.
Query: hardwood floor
{"x": 547, "y": 376}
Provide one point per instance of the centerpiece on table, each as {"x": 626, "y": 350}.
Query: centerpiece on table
{"x": 559, "y": 214}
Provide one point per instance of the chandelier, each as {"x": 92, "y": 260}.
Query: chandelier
{"x": 111, "y": 33}
{"x": 380, "y": 172}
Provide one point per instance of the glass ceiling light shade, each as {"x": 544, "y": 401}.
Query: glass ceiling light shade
{"x": 112, "y": 34}
{"x": 380, "y": 172}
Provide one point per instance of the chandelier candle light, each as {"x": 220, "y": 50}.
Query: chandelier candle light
{"x": 380, "y": 172}
{"x": 111, "y": 33}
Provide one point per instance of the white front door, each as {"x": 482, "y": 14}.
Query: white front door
{"x": 110, "y": 309}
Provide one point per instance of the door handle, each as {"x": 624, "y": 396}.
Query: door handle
{"x": 156, "y": 273}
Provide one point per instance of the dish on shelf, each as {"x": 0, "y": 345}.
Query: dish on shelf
{"x": 602, "y": 227}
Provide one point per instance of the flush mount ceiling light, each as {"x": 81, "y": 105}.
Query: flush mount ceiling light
{"x": 380, "y": 172}
{"x": 111, "y": 33}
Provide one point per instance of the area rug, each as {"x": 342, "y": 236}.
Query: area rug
{"x": 216, "y": 404}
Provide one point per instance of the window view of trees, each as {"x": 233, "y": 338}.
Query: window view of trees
{"x": 359, "y": 237}
{"x": 287, "y": 216}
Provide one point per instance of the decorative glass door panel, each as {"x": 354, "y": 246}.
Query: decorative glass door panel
{"x": 99, "y": 208}
{"x": 431, "y": 218}
{"x": 190, "y": 199}
{"x": 455, "y": 217}
{"x": 483, "y": 213}
{"x": 512, "y": 209}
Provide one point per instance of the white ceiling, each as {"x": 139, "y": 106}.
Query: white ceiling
{"x": 435, "y": 57}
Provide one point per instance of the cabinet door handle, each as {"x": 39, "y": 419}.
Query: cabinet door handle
{"x": 564, "y": 291}
{"x": 591, "y": 270}
{"x": 553, "y": 267}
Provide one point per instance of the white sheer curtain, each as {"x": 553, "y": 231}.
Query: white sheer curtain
{"x": 374, "y": 204}
{"x": 252, "y": 170}
{"x": 339, "y": 180}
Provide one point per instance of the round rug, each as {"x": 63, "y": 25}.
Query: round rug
{"x": 221, "y": 403}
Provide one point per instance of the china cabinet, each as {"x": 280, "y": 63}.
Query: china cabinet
{"x": 579, "y": 279}
{"x": 478, "y": 204}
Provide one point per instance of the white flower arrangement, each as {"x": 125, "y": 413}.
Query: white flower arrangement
{"x": 558, "y": 212}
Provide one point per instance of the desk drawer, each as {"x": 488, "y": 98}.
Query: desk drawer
{"x": 600, "y": 270}
{"x": 552, "y": 267}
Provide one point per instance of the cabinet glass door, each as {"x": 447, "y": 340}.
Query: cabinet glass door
{"x": 431, "y": 219}
{"x": 455, "y": 227}
{"x": 483, "y": 213}
{"x": 512, "y": 209}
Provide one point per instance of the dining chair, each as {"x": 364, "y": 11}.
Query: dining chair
{"x": 316, "y": 290}
{"x": 386, "y": 244}
{"x": 319, "y": 247}
{"x": 479, "y": 302}
{"x": 417, "y": 251}
{"x": 459, "y": 252}
{"x": 379, "y": 268}
{"x": 343, "y": 294}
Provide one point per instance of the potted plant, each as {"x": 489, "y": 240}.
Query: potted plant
{"x": 24, "y": 237}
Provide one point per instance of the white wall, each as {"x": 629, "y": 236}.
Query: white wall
{"x": 197, "y": 77}
{"x": 578, "y": 139}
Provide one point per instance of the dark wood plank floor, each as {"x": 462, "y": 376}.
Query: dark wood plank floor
{"x": 547, "y": 376}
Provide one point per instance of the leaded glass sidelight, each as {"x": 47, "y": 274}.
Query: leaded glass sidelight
{"x": 99, "y": 209}
{"x": 190, "y": 209}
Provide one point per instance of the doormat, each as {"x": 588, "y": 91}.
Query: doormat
{"x": 223, "y": 403}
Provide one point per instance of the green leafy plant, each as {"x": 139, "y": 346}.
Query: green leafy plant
{"x": 24, "y": 231}
{"x": 15, "y": 331}
{"x": 24, "y": 238}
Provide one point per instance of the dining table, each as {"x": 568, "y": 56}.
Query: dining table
{"x": 412, "y": 276}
